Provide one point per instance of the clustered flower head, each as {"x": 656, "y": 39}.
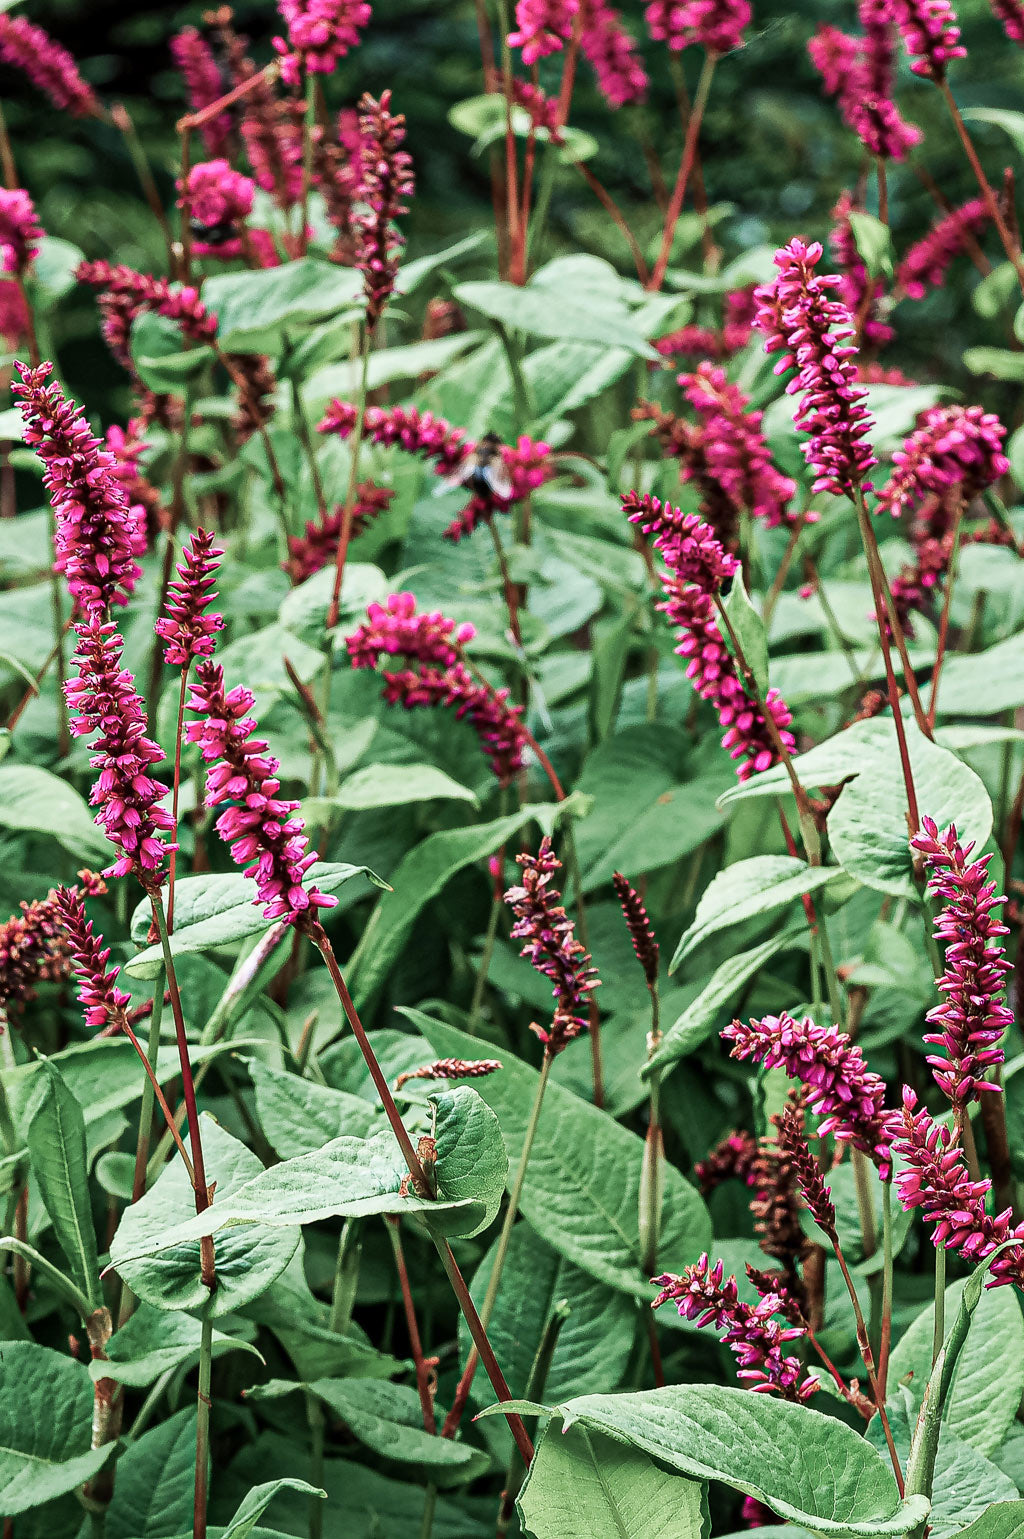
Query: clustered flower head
{"x": 104, "y": 699}
{"x": 551, "y": 946}
{"x": 956, "y": 449}
{"x": 812, "y": 333}
{"x": 49, "y": 66}
{"x": 542, "y": 27}
{"x": 733, "y": 1159}
{"x": 451, "y": 1068}
{"x": 186, "y": 629}
{"x": 20, "y": 232}
{"x": 440, "y": 677}
{"x": 318, "y": 545}
{"x": 102, "y": 1001}
{"x": 925, "y": 264}
{"x": 859, "y": 72}
{"x": 611, "y": 52}
{"x": 697, "y": 567}
{"x": 972, "y": 1018}
{"x": 735, "y": 451}
{"x": 415, "y": 431}
{"x": 320, "y": 33}
{"x": 758, "y": 1341}
{"x": 933, "y": 1176}
{"x": 931, "y": 35}
{"x": 33, "y": 949}
{"x": 205, "y": 85}
{"x": 840, "y": 1086}
{"x": 638, "y": 923}
{"x": 716, "y": 25}
{"x": 386, "y": 181}
{"x": 218, "y": 201}
{"x": 261, "y": 827}
{"x": 98, "y": 533}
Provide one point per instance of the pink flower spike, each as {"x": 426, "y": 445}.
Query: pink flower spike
{"x": 841, "y": 1088}
{"x": 415, "y": 431}
{"x": 186, "y": 628}
{"x": 386, "y": 180}
{"x": 20, "y": 232}
{"x": 1011, "y": 14}
{"x": 551, "y": 946}
{"x": 956, "y": 449}
{"x": 972, "y": 1018}
{"x": 219, "y": 200}
{"x": 205, "y": 84}
{"x": 717, "y": 26}
{"x": 542, "y": 27}
{"x": 734, "y": 448}
{"x": 813, "y": 334}
{"x": 97, "y": 530}
{"x": 320, "y": 34}
{"x": 925, "y": 264}
{"x": 104, "y": 699}
{"x": 261, "y": 829}
{"x": 102, "y": 1001}
{"x": 931, "y": 35}
{"x": 609, "y": 48}
{"x": 49, "y": 66}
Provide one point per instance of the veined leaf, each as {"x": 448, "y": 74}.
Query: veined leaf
{"x": 45, "y": 1422}
{"x": 746, "y": 890}
{"x": 56, "y": 1146}
{"x": 299, "y": 1116}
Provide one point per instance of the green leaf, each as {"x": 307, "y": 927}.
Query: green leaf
{"x": 749, "y": 630}
{"x": 646, "y": 814}
{"x": 162, "y": 356}
{"x": 219, "y": 909}
{"x": 46, "y": 1404}
{"x": 984, "y": 683}
{"x": 163, "y": 1270}
{"x": 1011, "y": 123}
{"x": 749, "y": 889}
{"x": 388, "y": 1419}
{"x": 253, "y": 309}
{"x": 471, "y": 1159}
{"x": 989, "y": 1378}
{"x": 53, "y": 271}
{"x": 873, "y": 240}
{"x": 692, "y": 1029}
{"x": 396, "y": 785}
{"x": 155, "y": 1487}
{"x": 386, "y": 365}
{"x": 582, "y": 1185}
{"x": 34, "y": 801}
{"x": 484, "y": 119}
{"x": 151, "y": 1342}
{"x": 543, "y": 313}
{"x": 997, "y": 362}
{"x": 582, "y": 1483}
{"x": 809, "y": 1468}
{"x": 1004, "y": 1520}
{"x": 299, "y": 1116}
{"x": 56, "y": 1146}
{"x": 253, "y": 1506}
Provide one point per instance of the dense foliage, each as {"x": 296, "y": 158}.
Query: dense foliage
{"x": 511, "y": 782}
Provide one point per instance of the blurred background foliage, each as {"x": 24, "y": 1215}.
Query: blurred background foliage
{"x": 775, "y": 153}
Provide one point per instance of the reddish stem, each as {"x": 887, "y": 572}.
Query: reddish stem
{"x": 675, "y": 206}
{"x": 412, "y": 1326}
{"x": 174, "y": 799}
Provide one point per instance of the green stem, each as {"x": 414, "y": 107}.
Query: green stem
{"x": 203, "y": 1427}
{"x": 429, "y": 1507}
{"x": 939, "y": 1328}
{"x": 535, "y": 1386}
{"x": 480, "y": 986}
{"x": 886, "y": 1334}
{"x": 315, "y": 1416}
{"x": 346, "y": 1276}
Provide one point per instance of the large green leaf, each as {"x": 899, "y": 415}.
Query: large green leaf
{"x": 395, "y": 785}
{"x": 984, "y": 683}
{"x": 34, "y": 801}
{"x": 471, "y": 1163}
{"x": 809, "y": 1468}
{"x": 750, "y": 889}
{"x": 46, "y": 1404}
{"x": 1004, "y": 1520}
{"x": 582, "y": 1185}
{"x": 582, "y": 1484}
{"x": 152, "y": 1341}
{"x": 551, "y": 314}
{"x": 220, "y": 909}
{"x": 254, "y": 308}
{"x": 253, "y": 1506}
{"x": 56, "y": 1146}
{"x": 157, "y": 1254}
{"x": 155, "y": 1486}
{"x": 989, "y": 1379}
{"x": 298, "y": 1115}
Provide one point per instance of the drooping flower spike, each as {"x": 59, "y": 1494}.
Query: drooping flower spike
{"x": 125, "y": 294}
{"x": 733, "y": 1159}
{"x": 317, "y": 547}
{"x": 33, "y": 948}
{"x": 551, "y": 946}
{"x": 48, "y": 65}
{"x": 104, "y": 699}
{"x": 612, "y": 53}
{"x": 735, "y": 449}
{"x": 972, "y": 1019}
{"x": 927, "y": 261}
{"x": 1011, "y": 14}
{"x": 186, "y": 629}
{"x": 261, "y": 828}
{"x": 451, "y": 1068}
{"x": 813, "y": 334}
{"x": 840, "y": 1087}
{"x": 758, "y": 1341}
{"x": 98, "y": 534}
{"x": 859, "y": 71}
{"x": 20, "y": 232}
{"x": 102, "y": 1001}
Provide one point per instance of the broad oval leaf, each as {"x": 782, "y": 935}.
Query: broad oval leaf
{"x": 57, "y": 1150}
{"x": 554, "y": 314}
{"x": 299, "y": 1116}
{"x": 46, "y": 1403}
{"x": 749, "y": 889}
{"x": 34, "y": 801}
{"x": 155, "y": 1486}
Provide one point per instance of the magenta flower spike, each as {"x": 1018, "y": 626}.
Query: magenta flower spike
{"x": 97, "y": 529}
{"x": 542, "y": 27}
{"x": 703, "y": 1293}
{"x": 638, "y": 923}
{"x": 734, "y": 447}
{"x": 20, "y": 232}
{"x": 125, "y": 293}
{"x": 104, "y": 699}
{"x": 205, "y": 85}
{"x": 49, "y": 66}
{"x": 970, "y": 1022}
{"x": 320, "y": 34}
{"x": 102, "y": 1001}
{"x": 840, "y": 1087}
{"x": 1011, "y": 14}
{"x": 931, "y": 35}
{"x": 612, "y": 54}
{"x": 386, "y": 181}
{"x": 925, "y": 264}
{"x": 551, "y": 946}
{"x": 956, "y": 449}
{"x": 813, "y": 334}
{"x": 219, "y": 200}
{"x": 733, "y": 1159}
{"x": 715, "y": 25}
{"x": 186, "y": 628}
{"x": 859, "y": 72}
{"x": 415, "y": 431}
{"x": 264, "y": 834}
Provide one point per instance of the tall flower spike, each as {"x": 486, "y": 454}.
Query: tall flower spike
{"x": 716, "y": 25}
{"x": 187, "y": 629}
{"x": 703, "y": 1293}
{"x": 20, "y": 232}
{"x": 818, "y": 1197}
{"x": 97, "y": 531}
{"x": 925, "y": 264}
{"x": 813, "y": 333}
{"x": 415, "y": 431}
{"x": 320, "y": 34}
{"x": 638, "y": 923}
{"x": 125, "y": 293}
{"x": 735, "y": 451}
{"x": 104, "y": 699}
{"x": 318, "y": 546}
{"x": 542, "y": 27}
{"x": 205, "y": 85}
{"x": 551, "y": 946}
{"x": 840, "y": 1086}
{"x": 972, "y": 1018}
{"x": 611, "y": 51}
{"x": 931, "y": 35}
{"x": 386, "y": 181}
{"x": 775, "y": 1203}
{"x": 49, "y": 66}
{"x": 102, "y": 1001}
{"x": 955, "y": 449}
{"x": 262, "y": 830}
{"x": 859, "y": 72}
